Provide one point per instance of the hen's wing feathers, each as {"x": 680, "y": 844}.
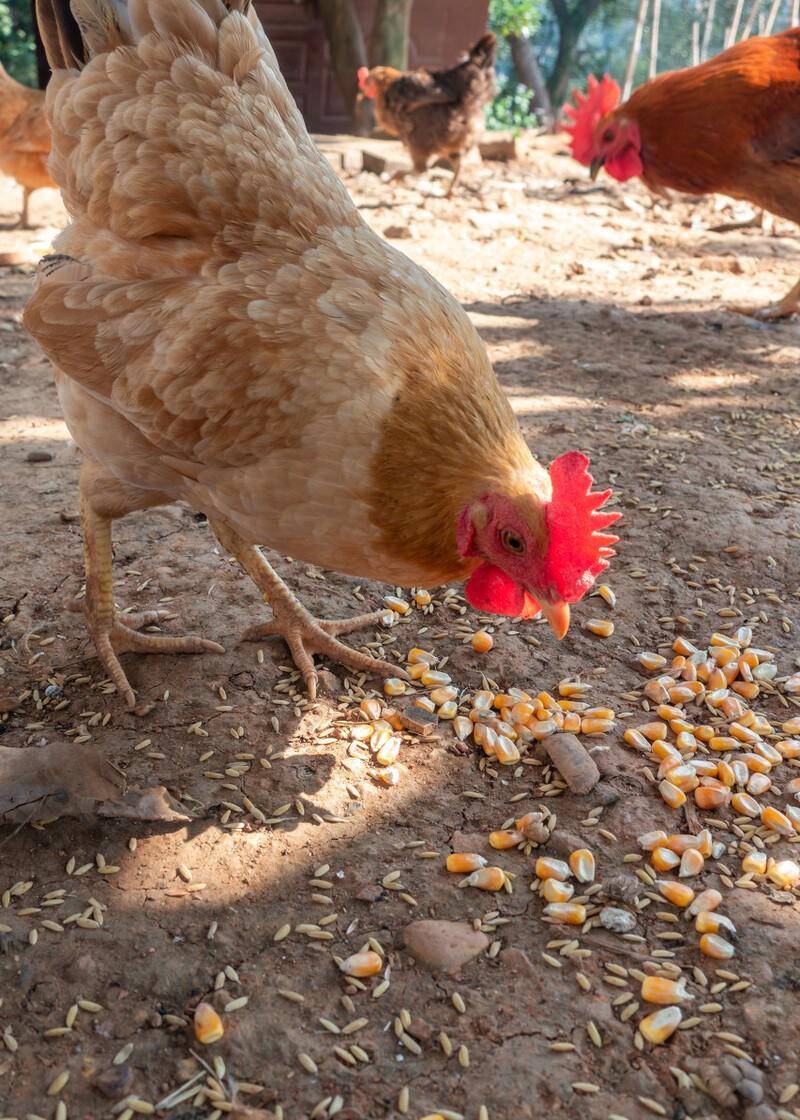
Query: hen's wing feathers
{"x": 777, "y": 137}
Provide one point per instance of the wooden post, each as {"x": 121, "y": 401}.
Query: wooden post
{"x": 695, "y": 43}
{"x": 656, "y": 20}
{"x": 773, "y": 15}
{"x": 348, "y": 52}
{"x": 709, "y": 27}
{"x": 388, "y": 44}
{"x": 636, "y": 46}
{"x": 751, "y": 19}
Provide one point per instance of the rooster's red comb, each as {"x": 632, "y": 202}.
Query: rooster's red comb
{"x": 578, "y": 550}
{"x": 362, "y": 74}
{"x": 600, "y": 99}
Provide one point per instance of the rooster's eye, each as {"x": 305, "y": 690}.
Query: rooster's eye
{"x": 512, "y": 541}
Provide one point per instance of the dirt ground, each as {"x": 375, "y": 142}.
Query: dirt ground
{"x": 605, "y": 317}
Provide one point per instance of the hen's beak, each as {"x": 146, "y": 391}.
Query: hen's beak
{"x": 557, "y": 614}
{"x": 594, "y": 168}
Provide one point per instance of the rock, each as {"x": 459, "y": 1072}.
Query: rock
{"x": 468, "y": 841}
{"x": 397, "y": 232}
{"x": 622, "y": 888}
{"x": 617, "y": 920}
{"x": 69, "y": 516}
{"x": 498, "y": 145}
{"x": 564, "y": 843}
{"x": 38, "y": 455}
{"x": 420, "y": 1030}
{"x": 444, "y": 945}
{"x": 114, "y": 1082}
{"x": 369, "y": 892}
{"x": 750, "y": 1091}
{"x": 517, "y": 961}
{"x": 418, "y": 720}
{"x": 572, "y": 760}
{"x": 759, "y": 1112}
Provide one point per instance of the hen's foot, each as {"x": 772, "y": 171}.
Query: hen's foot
{"x": 784, "y": 309}
{"x": 117, "y": 637}
{"x": 304, "y": 634}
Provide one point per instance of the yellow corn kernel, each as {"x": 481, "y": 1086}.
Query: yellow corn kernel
{"x": 208, "y": 1026}
{"x": 747, "y": 689}
{"x": 462, "y": 727}
{"x": 767, "y": 751}
{"x": 758, "y": 784}
{"x": 591, "y": 726}
{"x": 367, "y": 963}
{"x": 505, "y": 751}
{"x": 521, "y": 713}
{"x": 684, "y": 693}
{"x": 399, "y": 606}
{"x": 507, "y": 729}
{"x": 425, "y": 703}
{"x": 635, "y": 739}
{"x": 684, "y": 646}
{"x": 712, "y": 945}
{"x": 371, "y": 708}
{"x": 777, "y": 821}
{"x": 726, "y": 774}
{"x": 706, "y": 922}
{"x": 389, "y": 776}
{"x": 706, "y": 768}
{"x": 389, "y": 751}
{"x": 756, "y": 763}
{"x": 791, "y": 726}
{"x": 656, "y": 690}
{"x": 651, "y": 661}
{"x": 681, "y": 841}
{"x": 505, "y": 838}
{"x": 394, "y": 686}
{"x": 724, "y": 743}
{"x": 716, "y": 679}
{"x": 649, "y": 841}
{"x": 679, "y": 894}
{"x": 486, "y": 879}
{"x": 602, "y": 627}
{"x": 667, "y": 753}
{"x": 681, "y": 727}
{"x": 723, "y": 654}
{"x": 573, "y": 689}
{"x": 788, "y": 748}
{"x": 667, "y": 712}
{"x": 566, "y": 913}
{"x": 416, "y": 671}
{"x": 486, "y": 737}
{"x": 746, "y": 805}
{"x": 711, "y": 797}
{"x": 705, "y": 842}
{"x": 423, "y": 598}
{"x": 542, "y": 728}
{"x": 481, "y": 641}
{"x": 547, "y": 867}
{"x": 755, "y": 863}
{"x": 784, "y": 873}
{"x": 605, "y": 593}
{"x": 793, "y": 814}
{"x": 685, "y": 740}
{"x": 482, "y": 700}
{"x": 433, "y": 678}
{"x": 582, "y": 864}
{"x": 553, "y": 890}
{"x": 704, "y": 732}
{"x": 465, "y": 861}
{"x": 444, "y": 694}
{"x": 684, "y": 778}
{"x": 664, "y": 860}
{"x": 661, "y": 1025}
{"x": 448, "y": 710}
{"x": 572, "y": 723}
{"x": 568, "y": 706}
{"x": 653, "y": 731}
{"x": 671, "y": 795}
{"x": 707, "y": 900}
{"x": 692, "y": 863}
{"x": 657, "y": 989}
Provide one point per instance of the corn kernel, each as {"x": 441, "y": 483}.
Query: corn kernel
{"x": 389, "y": 751}
{"x": 661, "y": 1025}
{"x": 746, "y": 805}
{"x": 486, "y": 879}
{"x": 462, "y": 727}
{"x": 425, "y": 703}
{"x": 208, "y": 1026}
{"x": 448, "y": 710}
{"x": 465, "y": 861}
{"x": 692, "y": 863}
{"x": 755, "y": 863}
{"x": 371, "y": 708}
{"x": 667, "y": 753}
{"x": 793, "y": 814}
{"x": 679, "y": 894}
{"x": 724, "y": 743}
{"x": 681, "y": 841}
{"x": 605, "y": 593}
{"x": 367, "y": 963}
{"x": 705, "y": 844}
{"x": 656, "y": 691}
{"x": 566, "y": 913}
{"x": 685, "y": 740}
{"x": 791, "y": 726}
{"x": 707, "y": 768}
{"x": 481, "y": 641}
{"x": 444, "y": 694}
{"x": 664, "y": 860}
{"x": 748, "y": 689}
{"x": 482, "y": 700}
{"x": 542, "y": 728}
{"x": 649, "y": 841}
{"x": 423, "y": 598}
{"x": 635, "y": 739}
{"x": 573, "y": 689}
{"x": 433, "y": 678}
{"x": 651, "y": 661}
{"x": 602, "y": 627}
{"x": 767, "y": 751}
{"x": 706, "y": 922}
{"x": 684, "y": 778}
{"x": 653, "y": 731}
{"x": 788, "y": 748}
{"x": 671, "y": 795}
{"x": 657, "y": 989}
{"x": 792, "y": 684}
{"x": 590, "y": 726}
{"x": 505, "y": 751}
{"x": 399, "y": 606}
{"x": 505, "y": 838}
{"x": 712, "y": 945}
{"x": 684, "y": 646}
{"x": 582, "y": 864}
{"x": 726, "y": 774}
{"x": 390, "y": 776}
{"x": 758, "y": 784}
{"x": 394, "y": 686}
{"x": 572, "y": 723}
{"x": 416, "y": 671}
{"x": 547, "y": 867}
{"x": 711, "y": 797}
{"x": 707, "y": 900}
{"x": 777, "y": 821}
{"x": 553, "y": 890}
{"x": 784, "y": 873}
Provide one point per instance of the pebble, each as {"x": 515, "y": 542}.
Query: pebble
{"x": 115, "y": 1082}
{"x": 444, "y": 945}
{"x": 397, "y": 232}
{"x": 617, "y": 920}
{"x": 38, "y": 455}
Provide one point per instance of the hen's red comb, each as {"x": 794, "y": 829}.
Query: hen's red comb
{"x": 362, "y": 74}
{"x": 578, "y": 550}
{"x": 600, "y": 99}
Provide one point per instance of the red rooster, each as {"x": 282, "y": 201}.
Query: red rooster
{"x": 728, "y": 126}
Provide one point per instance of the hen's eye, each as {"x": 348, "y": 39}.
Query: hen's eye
{"x": 608, "y": 136}
{"x": 512, "y": 541}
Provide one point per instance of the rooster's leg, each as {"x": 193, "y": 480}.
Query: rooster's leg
{"x": 455, "y": 159}
{"x": 783, "y": 309}
{"x": 304, "y": 634}
{"x": 102, "y": 499}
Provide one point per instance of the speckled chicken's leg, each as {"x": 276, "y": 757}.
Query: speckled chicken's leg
{"x": 103, "y": 499}
{"x": 304, "y": 634}
{"x": 455, "y": 159}
{"x": 783, "y": 309}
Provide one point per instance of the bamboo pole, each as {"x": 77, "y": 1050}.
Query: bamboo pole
{"x": 737, "y": 19}
{"x": 773, "y": 15}
{"x": 794, "y": 19}
{"x": 636, "y": 46}
{"x": 751, "y": 19}
{"x": 709, "y": 27}
{"x": 695, "y": 43}
{"x": 656, "y": 20}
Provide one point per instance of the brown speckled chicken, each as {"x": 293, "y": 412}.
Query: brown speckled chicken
{"x": 24, "y": 139}
{"x": 227, "y": 330}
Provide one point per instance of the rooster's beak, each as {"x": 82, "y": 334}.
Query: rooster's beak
{"x": 594, "y": 168}
{"x": 557, "y": 614}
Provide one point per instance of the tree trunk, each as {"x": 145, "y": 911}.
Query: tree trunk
{"x": 636, "y": 46}
{"x": 388, "y": 44}
{"x": 524, "y": 58}
{"x": 652, "y": 69}
{"x": 348, "y": 53}
{"x": 571, "y": 22}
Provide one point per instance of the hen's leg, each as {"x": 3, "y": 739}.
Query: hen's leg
{"x": 419, "y": 168}
{"x": 784, "y": 309}
{"x": 102, "y": 499}
{"x": 455, "y": 159}
{"x": 304, "y": 634}
{"x": 24, "y": 218}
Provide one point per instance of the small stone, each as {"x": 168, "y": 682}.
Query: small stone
{"x": 39, "y": 455}
{"x": 444, "y": 945}
{"x": 750, "y": 1091}
{"x": 418, "y": 720}
{"x": 420, "y": 1030}
{"x": 617, "y": 920}
{"x": 759, "y": 1112}
{"x": 369, "y": 892}
{"x": 115, "y": 1082}
{"x": 622, "y": 888}
{"x": 397, "y": 232}
{"x": 517, "y": 961}
{"x": 69, "y": 516}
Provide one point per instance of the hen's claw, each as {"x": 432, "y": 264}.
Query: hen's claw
{"x": 307, "y": 636}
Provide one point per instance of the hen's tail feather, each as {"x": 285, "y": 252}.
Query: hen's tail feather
{"x": 484, "y": 51}
{"x": 61, "y": 35}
